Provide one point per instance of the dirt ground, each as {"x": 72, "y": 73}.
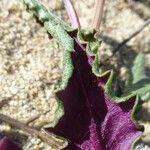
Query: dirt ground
{"x": 31, "y": 63}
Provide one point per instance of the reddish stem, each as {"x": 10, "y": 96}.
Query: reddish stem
{"x": 98, "y": 8}
{"x": 72, "y": 14}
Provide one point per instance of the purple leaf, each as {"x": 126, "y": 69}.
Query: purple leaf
{"x": 91, "y": 120}
{"x": 92, "y": 117}
{"x": 7, "y": 144}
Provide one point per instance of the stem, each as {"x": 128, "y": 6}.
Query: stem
{"x": 72, "y": 14}
{"x": 98, "y": 9}
{"x": 49, "y": 138}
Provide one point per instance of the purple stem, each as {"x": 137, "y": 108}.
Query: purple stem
{"x": 72, "y": 14}
{"x": 98, "y": 8}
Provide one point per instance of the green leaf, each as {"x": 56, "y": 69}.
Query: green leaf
{"x": 138, "y": 82}
{"x": 54, "y": 25}
{"x": 43, "y": 14}
{"x": 60, "y": 31}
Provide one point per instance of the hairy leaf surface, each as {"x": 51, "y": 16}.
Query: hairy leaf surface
{"x": 89, "y": 115}
{"x": 91, "y": 119}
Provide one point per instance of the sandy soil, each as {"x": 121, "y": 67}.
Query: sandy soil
{"x": 31, "y": 63}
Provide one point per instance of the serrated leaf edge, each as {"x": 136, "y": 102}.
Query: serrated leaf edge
{"x": 41, "y": 11}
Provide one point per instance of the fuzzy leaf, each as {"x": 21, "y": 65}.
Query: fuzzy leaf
{"x": 55, "y": 26}
{"x": 40, "y": 11}
{"x": 7, "y": 144}
{"x": 92, "y": 117}
{"x": 59, "y": 30}
{"x": 138, "y": 82}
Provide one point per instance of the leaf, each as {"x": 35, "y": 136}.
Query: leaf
{"x": 55, "y": 26}
{"x": 91, "y": 119}
{"x": 89, "y": 114}
{"x": 58, "y": 29}
{"x": 138, "y": 82}
{"x": 7, "y": 144}
{"x": 138, "y": 69}
{"x": 40, "y": 11}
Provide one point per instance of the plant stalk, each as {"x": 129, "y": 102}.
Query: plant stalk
{"x": 72, "y": 14}
{"x": 98, "y": 9}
